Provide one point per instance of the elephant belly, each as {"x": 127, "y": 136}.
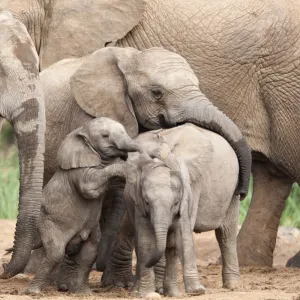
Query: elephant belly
{"x": 212, "y": 210}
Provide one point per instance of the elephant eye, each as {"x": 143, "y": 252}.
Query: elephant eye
{"x": 105, "y": 135}
{"x": 157, "y": 93}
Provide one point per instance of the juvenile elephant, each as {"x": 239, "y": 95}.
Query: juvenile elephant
{"x": 192, "y": 187}
{"x": 143, "y": 90}
{"x": 72, "y": 200}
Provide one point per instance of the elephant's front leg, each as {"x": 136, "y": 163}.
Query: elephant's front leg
{"x": 170, "y": 286}
{"x": 118, "y": 269}
{"x": 145, "y": 245}
{"x": 76, "y": 268}
{"x": 270, "y": 191}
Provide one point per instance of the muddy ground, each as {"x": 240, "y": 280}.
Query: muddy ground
{"x": 277, "y": 283}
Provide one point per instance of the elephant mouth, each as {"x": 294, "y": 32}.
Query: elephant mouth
{"x": 166, "y": 123}
{"x": 161, "y": 121}
{"x": 123, "y": 155}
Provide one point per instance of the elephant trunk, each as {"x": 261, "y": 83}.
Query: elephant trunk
{"x": 161, "y": 228}
{"x": 127, "y": 144}
{"x": 29, "y": 125}
{"x": 203, "y": 113}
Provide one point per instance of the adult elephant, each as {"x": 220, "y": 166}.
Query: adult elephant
{"x": 143, "y": 90}
{"x": 246, "y": 55}
{"x": 35, "y": 34}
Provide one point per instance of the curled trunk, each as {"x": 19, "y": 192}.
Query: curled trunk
{"x": 203, "y": 113}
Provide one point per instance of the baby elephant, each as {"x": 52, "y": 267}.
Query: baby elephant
{"x": 88, "y": 159}
{"x": 190, "y": 188}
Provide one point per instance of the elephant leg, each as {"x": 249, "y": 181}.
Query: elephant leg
{"x": 145, "y": 245}
{"x": 170, "y": 286}
{"x": 270, "y": 191}
{"x": 119, "y": 266}
{"x": 54, "y": 253}
{"x": 227, "y": 236}
{"x": 76, "y": 267}
{"x": 294, "y": 262}
{"x": 34, "y": 261}
{"x": 111, "y": 218}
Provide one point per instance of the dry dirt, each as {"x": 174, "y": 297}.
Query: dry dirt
{"x": 277, "y": 283}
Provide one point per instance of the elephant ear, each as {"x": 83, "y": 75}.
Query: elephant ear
{"x": 75, "y": 152}
{"x": 178, "y": 165}
{"x": 76, "y": 28}
{"x": 100, "y": 89}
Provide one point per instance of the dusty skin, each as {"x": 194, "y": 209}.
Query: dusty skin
{"x": 276, "y": 283}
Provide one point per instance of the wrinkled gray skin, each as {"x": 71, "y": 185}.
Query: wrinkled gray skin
{"x": 34, "y": 35}
{"x": 246, "y": 57}
{"x": 193, "y": 189}
{"x": 245, "y": 50}
{"x": 72, "y": 201}
{"x": 137, "y": 88}
{"x": 22, "y": 104}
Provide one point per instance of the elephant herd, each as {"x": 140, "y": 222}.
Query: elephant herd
{"x": 230, "y": 67}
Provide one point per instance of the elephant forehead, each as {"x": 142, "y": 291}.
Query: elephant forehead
{"x": 160, "y": 181}
{"x": 105, "y": 124}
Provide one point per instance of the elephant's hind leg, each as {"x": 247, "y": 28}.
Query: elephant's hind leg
{"x": 257, "y": 237}
{"x": 76, "y": 268}
{"x": 226, "y": 236}
{"x": 55, "y": 243}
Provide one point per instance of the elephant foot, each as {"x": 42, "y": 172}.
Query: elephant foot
{"x": 118, "y": 279}
{"x": 249, "y": 255}
{"x": 194, "y": 289}
{"x": 172, "y": 291}
{"x": 82, "y": 289}
{"x": 294, "y": 262}
{"x": 153, "y": 295}
{"x": 160, "y": 290}
{"x": 139, "y": 291}
{"x": 232, "y": 284}
{"x": 5, "y": 274}
{"x": 32, "y": 290}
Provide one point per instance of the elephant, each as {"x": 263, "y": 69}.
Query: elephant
{"x": 88, "y": 160}
{"x": 191, "y": 187}
{"x": 142, "y": 90}
{"x": 249, "y": 55}
{"x": 246, "y": 57}
{"x": 33, "y": 36}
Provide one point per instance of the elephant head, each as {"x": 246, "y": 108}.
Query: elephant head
{"x": 161, "y": 191}
{"x": 99, "y": 142}
{"x": 153, "y": 88}
{"x": 22, "y": 104}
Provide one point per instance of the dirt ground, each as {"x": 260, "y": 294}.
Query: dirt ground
{"x": 277, "y": 283}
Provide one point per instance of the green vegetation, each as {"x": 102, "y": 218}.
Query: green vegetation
{"x": 9, "y": 174}
{"x": 9, "y": 185}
